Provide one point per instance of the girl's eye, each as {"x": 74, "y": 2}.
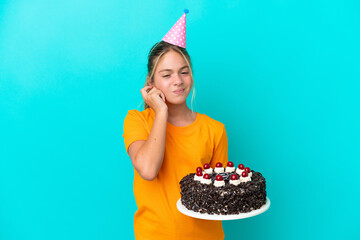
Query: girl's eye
{"x": 166, "y": 76}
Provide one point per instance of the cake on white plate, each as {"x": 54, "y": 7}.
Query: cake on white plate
{"x": 223, "y": 191}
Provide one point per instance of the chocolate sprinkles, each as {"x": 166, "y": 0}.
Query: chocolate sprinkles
{"x": 229, "y": 199}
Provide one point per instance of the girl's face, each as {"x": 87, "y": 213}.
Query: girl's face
{"x": 172, "y": 77}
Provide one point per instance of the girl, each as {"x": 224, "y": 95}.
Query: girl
{"x": 165, "y": 142}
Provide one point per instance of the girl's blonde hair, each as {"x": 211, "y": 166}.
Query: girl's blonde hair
{"x": 156, "y": 52}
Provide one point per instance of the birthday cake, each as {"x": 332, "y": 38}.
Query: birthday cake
{"x": 223, "y": 190}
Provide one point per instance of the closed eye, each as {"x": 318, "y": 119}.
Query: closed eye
{"x": 166, "y": 76}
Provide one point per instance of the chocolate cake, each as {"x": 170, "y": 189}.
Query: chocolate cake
{"x": 223, "y": 191}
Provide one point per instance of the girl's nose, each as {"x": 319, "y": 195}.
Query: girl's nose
{"x": 178, "y": 79}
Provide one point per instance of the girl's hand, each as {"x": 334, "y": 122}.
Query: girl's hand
{"x": 154, "y": 98}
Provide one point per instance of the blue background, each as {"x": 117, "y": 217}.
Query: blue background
{"x": 283, "y": 76}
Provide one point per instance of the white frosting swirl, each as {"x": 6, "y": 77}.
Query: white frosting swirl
{"x": 219, "y": 169}
{"x": 245, "y": 179}
{"x": 239, "y": 171}
{"x": 219, "y": 183}
{"x": 197, "y": 178}
{"x": 205, "y": 181}
{"x": 235, "y": 182}
{"x": 209, "y": 171}
{"x": 230, "y": 169}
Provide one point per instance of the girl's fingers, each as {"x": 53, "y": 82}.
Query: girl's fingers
{"x": 150, "y": 90}
{"x": 162, "y": 96}
{"x": 147, "y": 87}
{"x": 145, "y": 90}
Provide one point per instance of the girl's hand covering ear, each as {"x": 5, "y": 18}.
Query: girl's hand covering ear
{"x": 154, "y": 98}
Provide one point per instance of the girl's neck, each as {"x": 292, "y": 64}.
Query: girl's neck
{"x": 180, "y": 113}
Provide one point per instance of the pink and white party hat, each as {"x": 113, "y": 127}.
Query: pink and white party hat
{"x": 177, "y": 34}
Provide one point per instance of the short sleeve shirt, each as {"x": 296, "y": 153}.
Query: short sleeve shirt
{"x": 186, "y": 148}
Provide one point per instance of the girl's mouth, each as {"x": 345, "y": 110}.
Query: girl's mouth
{"x": 179, "y": 91}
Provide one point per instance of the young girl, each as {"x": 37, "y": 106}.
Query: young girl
{"x": 166, "y": 141}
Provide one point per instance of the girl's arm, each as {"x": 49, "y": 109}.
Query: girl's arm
{"x": 147, "y": 155}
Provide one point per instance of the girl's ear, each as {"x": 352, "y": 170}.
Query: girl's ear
{"x": 149, "y": 81}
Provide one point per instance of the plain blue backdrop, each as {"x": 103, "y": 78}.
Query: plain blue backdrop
{"x": 283, "y": 76}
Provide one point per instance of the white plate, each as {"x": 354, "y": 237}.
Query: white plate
{"x": 206, "y": 216}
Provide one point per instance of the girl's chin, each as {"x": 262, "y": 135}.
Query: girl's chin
{"x": 175, "y": 102}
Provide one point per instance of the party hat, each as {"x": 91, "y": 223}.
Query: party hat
{"x": 177, "y": 34}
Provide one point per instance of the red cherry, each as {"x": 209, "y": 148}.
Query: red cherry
{"x": 244, "y": 174}
{"x": 206, "y": 176}
{"x": 247, "y": 169}
{"x": 199, "y": 173}
{"x": 206, "y": 166}
{"x": 219, "y": 164}
{"x": 230, "y": 164}
{"x": 198, "y": 169}
{"x": 241, "y": 166}
{"x": 234, "y": 177}
{"x": 219, "y": 178}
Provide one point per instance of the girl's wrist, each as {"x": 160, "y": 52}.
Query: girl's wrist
{"x": 162, "y": 113}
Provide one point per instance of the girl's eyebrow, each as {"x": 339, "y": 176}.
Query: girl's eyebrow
{"x": 171, "y": 69}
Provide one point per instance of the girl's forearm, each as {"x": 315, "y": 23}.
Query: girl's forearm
{"x": 150, "y": 156}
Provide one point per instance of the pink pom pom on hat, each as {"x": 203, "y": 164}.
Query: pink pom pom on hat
{"x": 177, "y": 34}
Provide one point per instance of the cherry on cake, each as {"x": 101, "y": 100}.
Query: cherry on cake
{"x": 223, "y": 191}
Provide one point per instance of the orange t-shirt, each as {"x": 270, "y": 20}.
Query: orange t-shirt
{"x": 186, "y": 148}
